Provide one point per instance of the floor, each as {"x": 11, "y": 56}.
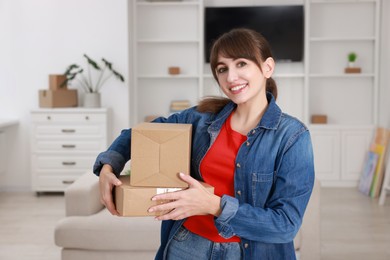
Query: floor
{"x": 353, "y": 226}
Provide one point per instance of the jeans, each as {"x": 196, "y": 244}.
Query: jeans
{"x": 187, "y": 245}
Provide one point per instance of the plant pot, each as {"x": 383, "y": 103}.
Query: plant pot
{"x": 92, "y": 100}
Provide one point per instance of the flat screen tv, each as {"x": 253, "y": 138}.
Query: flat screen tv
{"x": 281, "y": 25}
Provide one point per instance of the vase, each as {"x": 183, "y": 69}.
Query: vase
{"x": 92, "y": 100}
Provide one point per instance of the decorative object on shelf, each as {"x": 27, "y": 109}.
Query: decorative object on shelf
{"x": 179, "y": 105}
{"x": 352, "y": 56}
{"x": 174, "y": 70}
{"x": 58, "y": 94}
{"x": 319, "y": 119}
{"x": 104, "y": 72}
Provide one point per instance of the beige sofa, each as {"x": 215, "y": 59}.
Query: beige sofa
{"x": 89, "y": 231}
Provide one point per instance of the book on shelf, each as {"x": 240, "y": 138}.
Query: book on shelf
{"x": 179, "y": 105}
{"x": 368, "y": 172}
{"x": 379, "y": 146}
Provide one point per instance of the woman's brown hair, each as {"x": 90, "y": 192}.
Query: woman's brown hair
{"x": 237, "y": 43}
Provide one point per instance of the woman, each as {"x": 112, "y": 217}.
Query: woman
{"x": 259, "y": 160}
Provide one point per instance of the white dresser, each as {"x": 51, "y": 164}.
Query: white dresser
{"x": 64, "y": 144}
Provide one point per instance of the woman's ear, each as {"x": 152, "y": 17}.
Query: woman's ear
{"x": 268, "y": 67}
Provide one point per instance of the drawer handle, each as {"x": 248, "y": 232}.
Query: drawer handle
{"x": 68, "y": 146}
{"x": 68, "y": 163}
{"x": 67, "y": 182}
{"x": 68, "y": 130}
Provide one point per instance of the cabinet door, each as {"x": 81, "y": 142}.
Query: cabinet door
{"x": 354, "y": 146}
{"x": 326, "y": 146}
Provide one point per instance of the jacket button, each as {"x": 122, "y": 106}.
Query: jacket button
{"x": 248, "y": 143}
{"x": 253, "y": 132}
{"x": 238, "y": 165}
{"x": 239, "y": 192}
{"x": 246, "y": 245}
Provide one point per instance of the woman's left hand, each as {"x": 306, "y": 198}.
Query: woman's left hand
{"x": 195, "y": 200}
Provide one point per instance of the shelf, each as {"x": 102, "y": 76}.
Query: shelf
{"x": 333, "y": 39}
{"x": 341, "y": 127}
{"x": 152, "y": 41}
{"x": 168, "y": 3}
{"x": 168, "y": 76}
{"x": 341, "y": 1}
{"x": 350, "y": 75}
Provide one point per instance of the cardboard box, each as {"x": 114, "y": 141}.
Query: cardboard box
{"x": 58, "y": 98}
{"x": 159, "y": 152}
{"x": 319, "y": 119}
{"x": 133, "y": 201}
{"x": 55, "y": 82}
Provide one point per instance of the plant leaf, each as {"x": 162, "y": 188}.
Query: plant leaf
{"x": 108, "y": 64}
{"x": 92, "y": 62}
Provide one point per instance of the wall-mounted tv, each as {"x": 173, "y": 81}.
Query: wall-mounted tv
{"x": 281, "y": 25}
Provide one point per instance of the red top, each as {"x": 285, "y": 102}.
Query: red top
{"x": 217, "y": 168}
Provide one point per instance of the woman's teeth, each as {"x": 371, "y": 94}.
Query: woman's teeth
{"x": 236, "y": 88}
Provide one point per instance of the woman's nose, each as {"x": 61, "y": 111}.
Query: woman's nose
{"x": 232, "y": 75}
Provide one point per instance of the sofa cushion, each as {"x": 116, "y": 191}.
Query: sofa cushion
{"x": 102, "y": 231}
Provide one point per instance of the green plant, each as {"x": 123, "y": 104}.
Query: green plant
{"x": 352, "y": 57}
{"x": 75, "y": 72}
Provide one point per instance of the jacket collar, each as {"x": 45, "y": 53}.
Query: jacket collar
{"x": 270, "y": 119}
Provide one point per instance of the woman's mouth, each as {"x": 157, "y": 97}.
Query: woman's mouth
{"x": 238, "y": 88}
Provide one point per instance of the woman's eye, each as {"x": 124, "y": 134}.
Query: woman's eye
{"x": 241, "y": 64}
{"x": 221, "y": 70}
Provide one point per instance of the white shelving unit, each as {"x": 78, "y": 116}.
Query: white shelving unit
{"x": 336, "y": 28}
{"x": 171, "y": 34}
{"x": 166, "y": 34}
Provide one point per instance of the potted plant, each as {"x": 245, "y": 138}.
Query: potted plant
{"x": 351, "y": 59}
{"x": 351, "y": 68}
{"x": 92, "y": 88}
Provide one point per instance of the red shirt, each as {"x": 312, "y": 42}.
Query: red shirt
{"x": 217, "y": 168}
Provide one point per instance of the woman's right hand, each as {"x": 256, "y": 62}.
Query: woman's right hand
{"x": 107, "y": 180}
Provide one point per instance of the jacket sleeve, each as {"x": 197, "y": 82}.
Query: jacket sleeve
{"x": 119, "y": 151}
{"x": 281, "y": 218}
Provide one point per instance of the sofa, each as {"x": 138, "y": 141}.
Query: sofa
{"x": 89, "y": 231}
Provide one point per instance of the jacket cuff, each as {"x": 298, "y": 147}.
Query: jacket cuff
{"x": 229, "y": 208}
{"x": 112, "y": 158}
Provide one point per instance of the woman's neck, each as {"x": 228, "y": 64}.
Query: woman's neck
{"x": 248, "y": 115}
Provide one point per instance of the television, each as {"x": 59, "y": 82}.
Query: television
{"x": 281, "y": 25}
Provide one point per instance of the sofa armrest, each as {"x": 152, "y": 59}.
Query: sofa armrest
{"x": 82, "y": 198}
{"x": 310, "y": 247}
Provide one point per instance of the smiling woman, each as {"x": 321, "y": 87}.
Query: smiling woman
{"x": 258, "y": 159}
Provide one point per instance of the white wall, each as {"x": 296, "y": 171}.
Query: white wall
{"x": 43, "y": 37}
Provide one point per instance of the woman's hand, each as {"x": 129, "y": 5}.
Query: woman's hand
{"x": 195, "y": 200}
{"x": 107, "y": 180}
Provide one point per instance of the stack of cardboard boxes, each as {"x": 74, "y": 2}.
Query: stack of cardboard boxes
{"x": 58, "y": 95}
{"x": 159, "y": 152}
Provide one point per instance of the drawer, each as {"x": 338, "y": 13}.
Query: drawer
{"x": 64, "y": 162}
{"x": 54, "y": 182}
{"x": 86, "y": 118}
{"x": 69, "y": 145}
{"x": 69, "y": 130}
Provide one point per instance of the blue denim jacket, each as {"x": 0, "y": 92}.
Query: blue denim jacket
{"x": 273, "y": 179}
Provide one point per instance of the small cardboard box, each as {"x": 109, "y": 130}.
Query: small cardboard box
{"x": 55, "y": 82}
{"x": 133, "y": 201}
{"x": 159, "y": 152}
{"x": 58, "y": 98}
{"x": 174, "y": 70}
{"x": 319, "y": 119}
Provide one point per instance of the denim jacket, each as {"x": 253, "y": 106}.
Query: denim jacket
{"x": 273, "y": 179}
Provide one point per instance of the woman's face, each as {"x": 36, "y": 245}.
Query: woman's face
{"x": 240, "y": 79}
